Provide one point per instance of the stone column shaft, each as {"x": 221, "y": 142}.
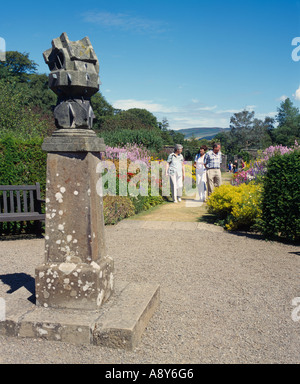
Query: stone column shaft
{"x": 77, "y": 272}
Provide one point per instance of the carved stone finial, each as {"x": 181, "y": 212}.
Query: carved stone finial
{"x": 74, "y": 78}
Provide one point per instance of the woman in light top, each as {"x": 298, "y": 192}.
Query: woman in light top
{"x": 175, "y": 169}
{"x": 201, "y": 174}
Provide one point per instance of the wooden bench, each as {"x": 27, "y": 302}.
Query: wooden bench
{"x": 21, "y": 203}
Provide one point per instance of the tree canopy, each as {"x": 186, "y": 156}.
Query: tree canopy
{"x": 248, "y": 132}
{"x": 27, "y": 104}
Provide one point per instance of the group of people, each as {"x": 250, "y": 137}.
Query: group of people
{"x": 234, "y": 167}
{"x": 208, "y": 171}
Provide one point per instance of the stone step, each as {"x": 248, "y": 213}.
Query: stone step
{"x": 120, "y": 323}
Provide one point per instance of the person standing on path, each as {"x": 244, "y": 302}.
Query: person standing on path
{"x": 201, "y": 174}
{"x": 235, "y": 166}
{"x": 213, "y": 161}
{"x": 175, "y": 169}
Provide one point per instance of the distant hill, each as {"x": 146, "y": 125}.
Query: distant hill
{"x": 201, "y": 133}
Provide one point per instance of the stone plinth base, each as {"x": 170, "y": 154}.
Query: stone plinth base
{"x": 74, "y": 286}
{"x": 119, "y": 324}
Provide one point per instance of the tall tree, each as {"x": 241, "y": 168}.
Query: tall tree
{"x": 241, "y": 125}
{"x": 18, "y": 64}
{"x": 288, "y": 119}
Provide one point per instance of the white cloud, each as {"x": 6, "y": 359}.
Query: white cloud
{"x": 297, "y": 94}
{"x": 231, "y": 111}
{"x": 207, "y": 108}
{"x": 143, "y": 104}
{"x": 250, "y": 107}
{"x": 262, "y": 116}
{"x": 194, "y": 114}
{"x": 282, "y": 98}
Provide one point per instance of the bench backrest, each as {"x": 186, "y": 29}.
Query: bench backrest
{"x": 19, "y": 198}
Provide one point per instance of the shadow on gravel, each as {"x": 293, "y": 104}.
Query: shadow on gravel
{"x": 213, "y": 219}
{"x": 19, "y": 280}
{"x": 295, "y": 253}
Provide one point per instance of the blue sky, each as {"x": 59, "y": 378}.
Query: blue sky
{"x": 195, "y": 62}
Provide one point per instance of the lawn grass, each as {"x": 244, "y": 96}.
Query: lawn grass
{"x": 186, "y": 211}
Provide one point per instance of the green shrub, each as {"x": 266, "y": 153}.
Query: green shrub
{"x": 143, "y": 203}
{"x": 117, "y": 208}
{"x": 147, "y": 138}
{"x": 18, "y": 119}
{"x": 281, "y": 198}
{"x": 237, "y": 207}
{"x": 22, "y": 162}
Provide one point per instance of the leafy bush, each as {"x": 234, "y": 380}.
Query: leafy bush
{"x": 143, "y": 203}
{"x": 22, "y": 162}
{"x": 117, "y": 208}
{"x": 149, "y": 139}
{"x": 281, "y": 198}
{"x": 18, "y": 119}
{"x": 237, "y": 207}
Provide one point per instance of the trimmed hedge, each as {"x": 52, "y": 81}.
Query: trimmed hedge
{"x": 22, "y": 162}
{"x": 281, "y": 198}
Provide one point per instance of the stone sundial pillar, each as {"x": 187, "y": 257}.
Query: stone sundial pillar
{"x": 77, "y": 272}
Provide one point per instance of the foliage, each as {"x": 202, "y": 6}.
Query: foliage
{"x": 17, "y": 64}
{"x": 22, "y": 162}
{"x": 16, "y": 118}
{"x": 132, "y": 151}
{"x": 246, "y": 132}
{"x": 117, "y": 208}
{"x": 288, "y": 119}
{"x": 40, "y": 95}
{"x": 256, "y": 169}
{"x": 144, "y": 203}
{"x": 281, "y": 198}
{"x": 143, "y": 137}
{"x": 236, "y": 207}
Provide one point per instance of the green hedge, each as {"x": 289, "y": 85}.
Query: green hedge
{"x": 22, "y": 162}
{"x": 281, "y": 198}
{"x": 149, "y": 139}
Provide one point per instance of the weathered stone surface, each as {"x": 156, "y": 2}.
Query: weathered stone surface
{"x": 77, "y": 272}
{"x": 74, "y": 210}
{"x": 122, "y": 326}
{"x": 73, "y": 143}
{"x": 119, "y": 324}
{"x": 74, "y": 67}
{"x": 17, "y": 305}
{"x": 74, "y": 286}
{"x": 69, "y": 326}
{"x": 74, "y": 78}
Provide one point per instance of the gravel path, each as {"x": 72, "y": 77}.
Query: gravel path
{"x": 225, "y": 298}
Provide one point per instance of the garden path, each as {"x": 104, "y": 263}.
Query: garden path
{"x": 186, "y": 211}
